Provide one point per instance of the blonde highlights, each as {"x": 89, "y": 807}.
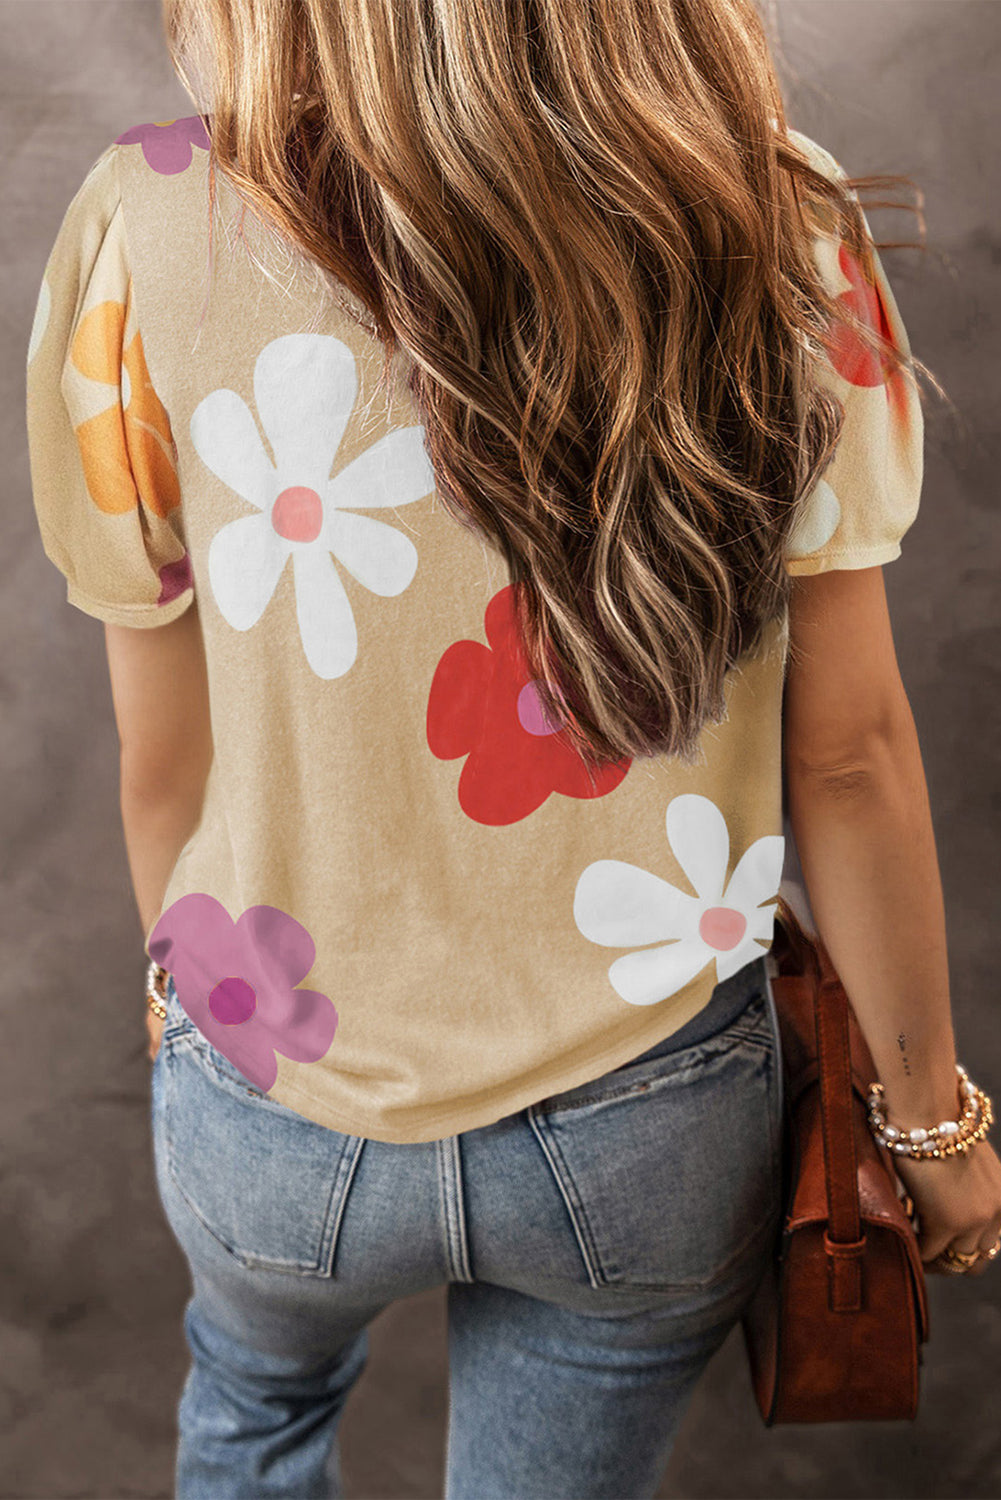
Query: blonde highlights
{"x": 585, "y": 227}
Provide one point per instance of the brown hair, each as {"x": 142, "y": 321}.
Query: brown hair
{"x": 585, "y": 225}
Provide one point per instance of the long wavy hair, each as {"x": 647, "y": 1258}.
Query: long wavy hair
{"x": 584, "y": 225}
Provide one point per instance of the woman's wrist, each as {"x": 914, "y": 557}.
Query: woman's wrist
{"x": 953, "y": 1134}
{"x": 924, "y": 1101}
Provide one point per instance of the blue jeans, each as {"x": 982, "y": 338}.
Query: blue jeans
{"x": 597, "y": 1248}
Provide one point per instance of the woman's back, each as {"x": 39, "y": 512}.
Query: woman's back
{"x": 408, "y": 909}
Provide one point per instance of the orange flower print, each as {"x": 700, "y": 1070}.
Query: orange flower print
{"x": 127, "y": 449}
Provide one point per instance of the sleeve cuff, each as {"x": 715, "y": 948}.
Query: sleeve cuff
{"x": 142, "y": 616}
{"x": 846, "y": 559}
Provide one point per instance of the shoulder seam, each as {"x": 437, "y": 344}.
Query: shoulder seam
{"x": 148, "y": 353}
{"x": 116, "y": 158}
{"x": 814, "y": 148}
{"x": 114, "y": 151}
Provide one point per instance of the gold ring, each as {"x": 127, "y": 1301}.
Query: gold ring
{"x": 945, "y": 1263}
{"x": 958, "y": 1262}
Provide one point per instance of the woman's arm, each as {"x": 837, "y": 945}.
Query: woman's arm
{"x": 159, "y": 686}
{"x": 867, "y": 851}
{"x": 859, "y": 809}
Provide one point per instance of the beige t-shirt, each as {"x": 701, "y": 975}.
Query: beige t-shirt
{"x": 405, "y": 911}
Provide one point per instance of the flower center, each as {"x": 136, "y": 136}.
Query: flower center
{"x": 232, "y": 1001}
{"x": 532, "y": 714}
{"x": 297, "y": 514}
{"x": 722, "y": 927}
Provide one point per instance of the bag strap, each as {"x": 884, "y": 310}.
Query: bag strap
{"x": 844, "y": 1236}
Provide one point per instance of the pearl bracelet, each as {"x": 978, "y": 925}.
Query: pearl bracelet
{"x": 943, "y": 1139}
{"x": 156, "y": 989}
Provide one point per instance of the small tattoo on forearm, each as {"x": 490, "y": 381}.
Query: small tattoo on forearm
{"x": 902, "y": 1043}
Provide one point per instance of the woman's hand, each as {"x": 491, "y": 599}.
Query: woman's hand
{"x": 957, "y": 1199}
{"x": 154, "y": 1027}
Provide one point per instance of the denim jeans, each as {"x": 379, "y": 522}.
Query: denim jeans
{"x": 597, "y": 1248}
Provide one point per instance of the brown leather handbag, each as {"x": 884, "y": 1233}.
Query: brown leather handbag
{"x": 834, "y": 1331}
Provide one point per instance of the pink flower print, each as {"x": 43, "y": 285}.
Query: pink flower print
{"x": 175, "y": 577}
{"x": 237, "y": 982}
{"x": 167, "y": 143}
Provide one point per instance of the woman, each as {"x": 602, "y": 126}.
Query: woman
{"x": 504, "y": 418}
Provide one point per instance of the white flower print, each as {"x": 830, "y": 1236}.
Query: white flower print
{"x": 305, "y": 386}
{"x": 817, "y": 522}
{"x": 623, "y": 906}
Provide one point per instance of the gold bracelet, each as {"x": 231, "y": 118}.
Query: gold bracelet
{"x": 156, "y": 989}
{"x": 948, "y": 1137}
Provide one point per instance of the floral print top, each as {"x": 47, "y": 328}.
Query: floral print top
{"x": 406, "y": 910}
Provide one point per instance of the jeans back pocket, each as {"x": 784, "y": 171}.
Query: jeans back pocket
{"x": 267, "y": 1183}
{"x": 670, "y": 1166}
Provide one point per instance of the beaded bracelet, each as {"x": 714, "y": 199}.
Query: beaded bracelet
{"x": 944, "y": 1139}
{"x": 156, "y": 989}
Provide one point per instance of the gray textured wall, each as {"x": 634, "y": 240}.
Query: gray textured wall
{"x": 91, "y": 1283}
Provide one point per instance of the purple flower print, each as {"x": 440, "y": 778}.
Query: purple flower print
{"x": 237, "y": 981}
{"x": 167, "y": 143}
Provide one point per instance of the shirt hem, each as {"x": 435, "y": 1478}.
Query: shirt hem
{"x": 433, "y": 1125}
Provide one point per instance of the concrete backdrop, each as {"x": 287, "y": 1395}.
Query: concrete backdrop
{"x": 92, "y": 1285}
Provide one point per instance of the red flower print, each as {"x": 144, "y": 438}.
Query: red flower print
{"x": 483, "y": 704}
{"x": 850, "y": 357}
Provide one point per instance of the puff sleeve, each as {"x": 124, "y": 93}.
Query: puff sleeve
{"x": 870, "y": 490}
{"x": 102, "y": 457}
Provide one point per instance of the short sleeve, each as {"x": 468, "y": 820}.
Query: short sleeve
{"x": 102, "y": 456}
{"x": 869, "y": 492}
